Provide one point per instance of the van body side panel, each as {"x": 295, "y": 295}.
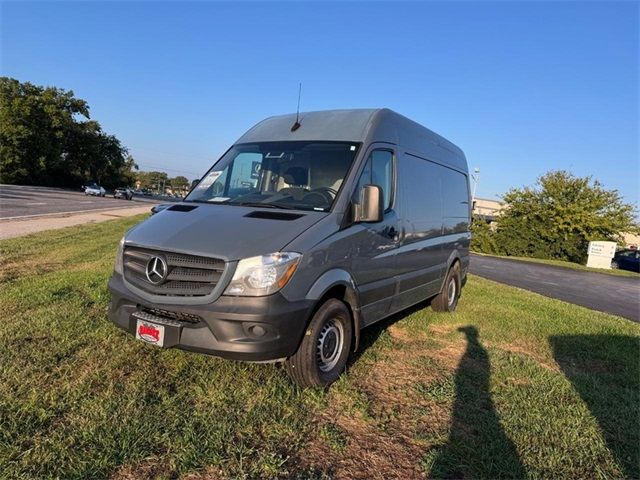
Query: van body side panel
{"x": 456, "y": 215}
{"x": 420, "y": 258}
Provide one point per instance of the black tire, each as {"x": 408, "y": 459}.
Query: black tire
{"x": 316, "y": 363}
{"x": 614, "y": 265}
{"x": 447, "y": 299}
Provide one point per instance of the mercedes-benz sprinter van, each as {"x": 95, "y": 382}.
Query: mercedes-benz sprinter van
{"x": 303, "y": 233}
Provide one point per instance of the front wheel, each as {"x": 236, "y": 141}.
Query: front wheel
{"x": 322, "y": 355}
{"x": 447, "y": 299}
{"x": 614, "y": 265}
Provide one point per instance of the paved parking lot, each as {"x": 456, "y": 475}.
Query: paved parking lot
{"x": 21, "y": 202}
{"x": 598, "y": 291}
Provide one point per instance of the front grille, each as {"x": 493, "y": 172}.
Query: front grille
{"x": 181, "y": 317}
{"x": 188, "y": 275}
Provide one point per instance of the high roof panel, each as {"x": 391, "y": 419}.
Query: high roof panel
{"x": 359, "y": 125}
{"x": 337, "y": 125}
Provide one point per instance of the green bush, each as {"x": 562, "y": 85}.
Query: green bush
{"x": 482, "y": 237}
{"x": 558, "y": 217}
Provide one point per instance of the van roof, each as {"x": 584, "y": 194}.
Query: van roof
{"x": 359, "y": 125}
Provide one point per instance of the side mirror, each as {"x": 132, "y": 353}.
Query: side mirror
{"x": 371, "y": 205}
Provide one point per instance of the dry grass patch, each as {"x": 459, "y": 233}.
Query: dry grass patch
{"x": 527, "y": 351}
{"x": 151, "y": 468}
{"x": 387, "y": 438}
{"x": 449, "y": 354}
{"x": 10, "y": 270}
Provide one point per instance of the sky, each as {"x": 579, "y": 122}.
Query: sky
{"x": 521, "y": 87}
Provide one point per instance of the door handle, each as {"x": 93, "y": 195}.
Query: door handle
{"x": 391, "y": 233}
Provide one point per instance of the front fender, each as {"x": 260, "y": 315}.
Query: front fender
{"x": 339, "y": 277}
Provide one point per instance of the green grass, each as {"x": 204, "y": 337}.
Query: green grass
{"x": 572, "y": 265}
{"x": 531, "y": 386}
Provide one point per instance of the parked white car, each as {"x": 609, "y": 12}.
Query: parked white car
{"x": 95, "y": 190}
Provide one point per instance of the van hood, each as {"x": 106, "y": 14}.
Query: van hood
{"x": 229, "y": 232}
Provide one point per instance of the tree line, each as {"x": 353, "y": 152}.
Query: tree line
{"x": 156, "y": 180}
{"x": 555, "y": 219}
{"x": 47, "y": 137}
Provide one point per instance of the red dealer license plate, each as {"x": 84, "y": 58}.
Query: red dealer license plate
{"x": 150, "y": 333}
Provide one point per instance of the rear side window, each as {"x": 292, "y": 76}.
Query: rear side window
{"x": 378, "y": 171}
{"x": 455, "y": 195}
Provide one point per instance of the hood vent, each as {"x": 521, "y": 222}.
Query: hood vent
{"x": 273, "y": 215}
{"x": 182, "y": 208}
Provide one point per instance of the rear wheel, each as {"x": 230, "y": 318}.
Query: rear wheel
{"x": 447, "y": 299}
{"x": 324, "y": 350}
{"x": 614, "y": 265}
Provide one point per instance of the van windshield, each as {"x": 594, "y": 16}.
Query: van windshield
{"x": 288, "y": 175}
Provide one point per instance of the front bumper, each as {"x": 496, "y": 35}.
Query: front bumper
{"x": 238, "y": 328}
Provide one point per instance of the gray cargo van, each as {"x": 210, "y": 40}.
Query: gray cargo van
{"x": 302, "y": 234}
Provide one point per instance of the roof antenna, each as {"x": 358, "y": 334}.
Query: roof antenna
{"x": 297, "y": 124}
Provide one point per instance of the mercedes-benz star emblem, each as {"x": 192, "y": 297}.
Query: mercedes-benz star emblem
{"x": 156, "y": 270}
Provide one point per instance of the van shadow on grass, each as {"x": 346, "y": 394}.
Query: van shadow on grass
{"x": 605, "y": 371}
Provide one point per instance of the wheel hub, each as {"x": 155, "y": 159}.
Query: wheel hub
{"x": 330, "y": 344}
{"x": 451, "y": 292}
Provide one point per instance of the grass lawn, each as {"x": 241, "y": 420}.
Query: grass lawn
{"x": 511, "y": 385}
{"x": 572, "y": 265}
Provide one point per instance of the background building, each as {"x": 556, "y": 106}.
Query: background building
{"x": 487, "y": 209}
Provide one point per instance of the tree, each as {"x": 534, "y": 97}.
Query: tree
{"x": 559, "y": 216}
{"x": 152, "y": 180}
{"x": 179, "y": 183}
{"x": 48, "y": 138}
{"x": 127, "y": 172}
{"x": 34, "y": 127}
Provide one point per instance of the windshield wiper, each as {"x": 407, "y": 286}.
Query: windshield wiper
{"x": 260, "y": 204}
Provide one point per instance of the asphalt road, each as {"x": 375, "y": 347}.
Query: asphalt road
{"x": 19, "y": 202}
{"x": 598, "y": 291}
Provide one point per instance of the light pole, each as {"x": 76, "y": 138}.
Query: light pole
{"x": 475, "y": 176}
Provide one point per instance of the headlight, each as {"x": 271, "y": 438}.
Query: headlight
{"x": 263, "y": 275}
{"x": 118, "y": 266}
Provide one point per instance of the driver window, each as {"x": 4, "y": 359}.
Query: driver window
{"x": 378, "y": 171}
